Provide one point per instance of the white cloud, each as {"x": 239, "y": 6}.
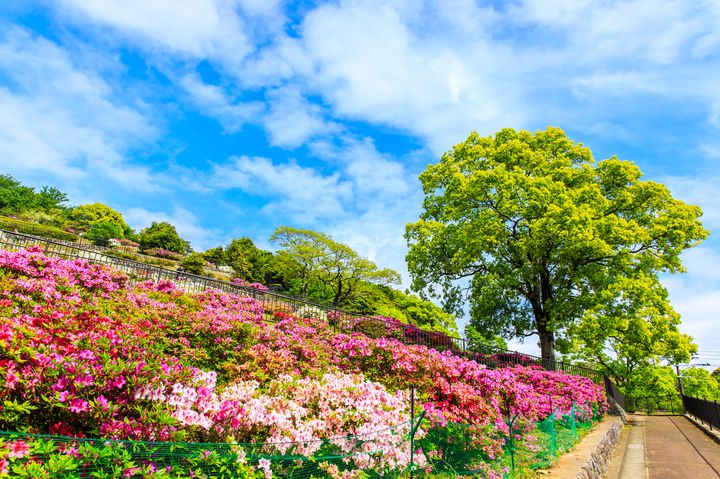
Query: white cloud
{"x": 642, "y": 30}
{"x": 395, "y": 77}
{"x": 64, "y": 121}
{"x": 199, "y": 28}
{"x": 213, "y": 101}
{"x": 300, "y": 193}
{"x": 375, "y": 176}
{"x": 292, "y": 119}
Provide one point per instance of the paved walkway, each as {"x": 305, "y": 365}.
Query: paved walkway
{"x": 666, "y": 447}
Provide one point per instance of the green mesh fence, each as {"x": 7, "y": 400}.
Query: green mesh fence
{"x": 451, "y": 451}
{"x": 378, "y": 454}
{"x": 463, "y": 450}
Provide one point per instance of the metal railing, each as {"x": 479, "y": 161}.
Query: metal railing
{"x": 707, "y": 411}
{"x": 614, "y": 393}
{"x": 276, "y": 305}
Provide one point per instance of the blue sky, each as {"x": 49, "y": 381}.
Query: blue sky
{"x": 232, "y": 117}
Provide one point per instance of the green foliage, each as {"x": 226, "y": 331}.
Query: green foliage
{"x": 35, "y": 229}
{"x": 122, "y": 254}
{"x": 216, "y": 256}
{"x": 249, "y": 262}
{"x": 307, "y": 256}
{"x": 699, "y": 383}
{"x": 533, "y": 235}
{"x": 639, "y": 330}
{"x": 651, "y": 381}
{"x": 102, "y": 231}
{"x": 479, "y": 343}
{"x": 50, "y": 198}
{"x": 193, "y": 263}
{"x": 162, "y": 235}
{"x": 85, "y": 216}
{"x": 16, "y": 198}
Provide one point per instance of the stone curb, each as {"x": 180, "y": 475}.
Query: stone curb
{"x": 713, "y": 433}
{"x": 599, "y": 461}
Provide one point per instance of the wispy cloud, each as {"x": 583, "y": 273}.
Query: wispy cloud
{"x": 302, "y": 194}
{"x": 63, "y": 120}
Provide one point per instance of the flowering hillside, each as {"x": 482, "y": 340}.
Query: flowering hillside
{"x": 85, "y": 354}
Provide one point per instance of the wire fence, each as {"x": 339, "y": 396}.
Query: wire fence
{"x": 379, "y": 454}
{"x": 453, "y": 450}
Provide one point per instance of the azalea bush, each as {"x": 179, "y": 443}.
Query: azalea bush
{"x": 162, "y": 253}
{"x": 247, "y": 284}
{"x": 84, "y": 353}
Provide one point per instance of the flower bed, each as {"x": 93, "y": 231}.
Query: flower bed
{"x": 84, "y": 354}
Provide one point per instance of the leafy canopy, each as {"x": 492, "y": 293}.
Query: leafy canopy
{"x": 530, "y": 233}
{"x": 312, "y": 256}
{"x": 162, "y": 235}
{"x": 15, "y": 198}
{"x": 85, "y": 216}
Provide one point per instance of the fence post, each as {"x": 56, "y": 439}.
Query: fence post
{"x": 412, "y": 431}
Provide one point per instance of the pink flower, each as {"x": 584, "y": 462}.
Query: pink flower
{"x": 18, "y": 449}
{"x": 4, "y": 467}
{"x": 78, "y": 405}
{"x": 11, "y": 379}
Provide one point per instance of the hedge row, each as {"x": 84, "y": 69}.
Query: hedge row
{"x": 35, "y": 229}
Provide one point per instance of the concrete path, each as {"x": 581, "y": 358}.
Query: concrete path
{"x": 666, "y": 447}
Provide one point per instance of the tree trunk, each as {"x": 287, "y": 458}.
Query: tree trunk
{"x": 547, "y": 346}
{"x": 338, "y": 293}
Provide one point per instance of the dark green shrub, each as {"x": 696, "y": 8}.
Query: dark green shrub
{"x": 193, "y": 263}
{"x": 102, "y": 232}
{"x": 162, "y": 235}
{"x": 121, "y": 254}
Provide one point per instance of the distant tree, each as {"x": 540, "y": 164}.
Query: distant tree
{"x": 532, "y": 234}
{"x": 641, "y": 330}
{"x": 699, "y": 383}
{"x": 162, "y": 235}
{"x": 651, "y": 381}
{"x": 50, "y": 198}
{"x": 14, "y": 197}
{"x": 193, "y": 263}
{"x": 84, "y": 216}
{"x": 479, "y": 343}
{"x": 313, "y": 256}
{"x": 216, "y": 256}
{"x": 102, "y": 232}
{"x": 424, "y": 313}
{"x": 247, "y": 260}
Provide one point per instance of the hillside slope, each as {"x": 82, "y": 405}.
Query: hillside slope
{"x": 82, "y": 353}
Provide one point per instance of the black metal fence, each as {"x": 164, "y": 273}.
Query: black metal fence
{"x": 614, "y": 393}
{"x": 277, "y": 305}
{"x": 705, "y": 410}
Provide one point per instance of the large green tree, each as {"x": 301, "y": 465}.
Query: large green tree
{"x": 85, "y": 216}
{"x": 312, "y": 256}
{"x": 531, "y": 233}
{"x": 162, "y": 235}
